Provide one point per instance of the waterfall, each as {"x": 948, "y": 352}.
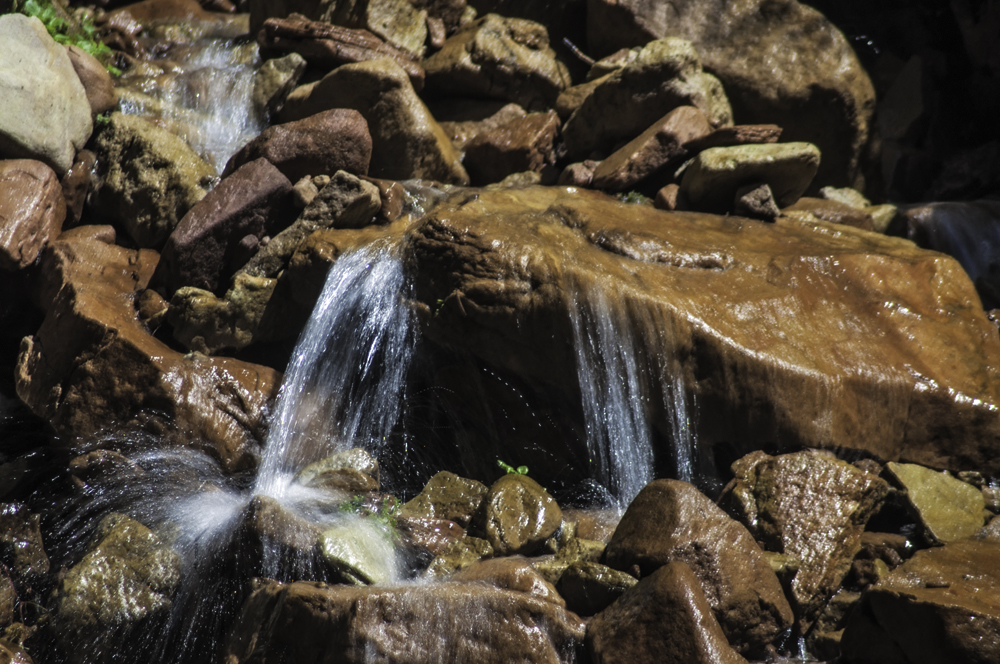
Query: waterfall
{"x": 618, "y": 356}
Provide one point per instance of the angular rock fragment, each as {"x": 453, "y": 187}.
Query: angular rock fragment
{"x": 510, "y": 573}
{"x": 458, "y": 555}
{"x": 589, "y": 587}
{"x": 665, "y": 618}
{"x": 447, "y": 496}
{"x": 666, "y": 74}
{"x": 32, "y": 211}
{"x": 396, "y": 21}
{"x": 95, "y": 78}
{"x": 711, "y": 181}
{"x": 272, "y": 83}
{"x": 500, "y": 58}
{"x": 757, "y": 202}
{"x": 320, "y": 144}
{"x": 208, "y": 324}
{"x": 407, "y": 142}
{"x": 671, "y": 521}
{"x": 461, "y": 132}
{"x": 76, "y": 184}
{"x": 523, "y": 144}
{"x": 737, "y": 135}
{"x": 948, "y": 508}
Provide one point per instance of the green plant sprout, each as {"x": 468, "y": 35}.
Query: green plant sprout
{"x": 509, "y": 469}
{"x": 384, "y": 514}
{"x": 67, "y": 30}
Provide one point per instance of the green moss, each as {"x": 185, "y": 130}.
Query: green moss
{"x": 67, "y": 30}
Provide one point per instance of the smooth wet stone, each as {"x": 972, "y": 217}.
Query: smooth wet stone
{"x": 830, "y": 211}
{"x": 345, "y": 202}
{"x": 589, "y": 587}
{"x": 150, "y": 178}
{"x": 665, "y": 618}
{"x": 815, "y": 508}
{"x": 666, "y": 74}
{"x": 523, "y": 144}
{"x": 320, "y": 144}
{"x": 407, "y": 142}
{"x": 671, "y": 521}
{"x": 780, "y": 62}
{"x": 45, "y": 114}
{"x": 758, "y": 306}
{"x": 32, "y": 211}
{"x": 941, "y": 606}
{"x": 431, "y": 623}
{"x": 273, "y": 82}
{"x": 205, "y": 323}
{"x": 459, "y": 555}
{"x": 200, "y": 252}
{"x": 664, "y": 141}
{"x": 447, "y": 496}
{"x": 949, "y": 509}
{"x": 96, "y": 80}
{"x": 510, "y": 573}
{"x": 353, "y": 470}
{"x": 362, "y": 553}
{"x": 127, "y": 575}
{"x": 499, "y": 58}
{"x": 93, "y": 364}
{"x": 426, "y": 534}
{"x": 21, "y": 547}
{"x": 711, "y": 181}
{"x": 517, "y": 515}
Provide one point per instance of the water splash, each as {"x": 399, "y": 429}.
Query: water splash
{"x": 624, "y": 361}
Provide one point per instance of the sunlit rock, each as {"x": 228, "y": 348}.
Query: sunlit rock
{"x": 949, "y": 509}
{"x": 361, "y": 552}
{"x": 510, "y": 573}
{"x": 447, "y": 496}
{"x": 517, "y": 515}
{"x": 354, "y": 471}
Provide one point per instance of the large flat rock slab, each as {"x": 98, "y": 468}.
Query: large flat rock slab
{"x": 795, "y": 333}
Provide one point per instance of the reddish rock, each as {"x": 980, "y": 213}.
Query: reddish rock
{"x": 255, "y": 200}
{"x": 76, "y": 184}
{"x": 96, "y": 80}
{"x": 737, "y": 135}
{"x": 525, "y": 144}
{"x": 580, "y": 174}
{"x": 431, "y": 535}
{"x": 321, "y": 144}
{"x": 666, "y": 140}
{"x": 461, "y": 132}
{"x": 517, "y": 515}
{"x": 672, "y": 521}
{"x": 666, "y": 197}
{"x": 93, "y": 368}
{"x": 32, "y": 211}
{"x": 665, "y": 619}
{"x": 510, "y": 573}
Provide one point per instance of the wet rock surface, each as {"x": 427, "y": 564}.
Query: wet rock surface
{"x": 32, "y": 211}
{"x": 517, "y": 515}
{"x": 447, "y": 496}
{"x": 948, "y": 508}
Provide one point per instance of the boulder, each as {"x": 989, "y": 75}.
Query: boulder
{"x": 327, "y": 46}
{"x": 96, "y": 80}
{"x": 361, "y": 551}
{"x": 126, "y": 576}
{"x": 32, "y": 211}
{"x": 590, "y": 587}
{"x": 347, "y": 470}
{"x": 814, "y": 508}
{"x": 948, "y": 508}
{"x": 273, "y": 82}
{"x": 720, "y": 295}
{"x": 45, "y": 114}
{"x": 665, "y": 141}
{"x": 311, "y": 622}
{"x": 711, "y": 181}
{"x": 942, "y": 605}
{"x": 671, "y": 521}
{"x": 92, "y": 367}
{"x": 407, "y": 142}
{"x": 150, "y": 178}
{"x": 512, "y": 573}
{"x": 208, "y": 324}
{"x": 447, "y": 496}
{"x": 320, "y": 144}
{"x": 523, "y": 144}
{"x": 665, "y": 619}
{"x": 345, "y": 202}
{"x": 666, "y": 74}
{"x": 517, "y": 515}
{"x": 780, "y": 61}
{"x": 203, "y": 250}
{"x": 458, "y": 555}
{"x": 499, "y": 58}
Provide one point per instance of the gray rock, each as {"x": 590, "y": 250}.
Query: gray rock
{"x": 45, "y": 114}
{"x": 756, "y": 201}
{"x": 151, "y": 178}
{"x": 362, "y": 552}
{"x": 666, "y": 74}
{"x": 500, "y": 58}
{"x": 711, "y": 181}
{"x": 339, "y": 469}
{"x": 274, "y": 80}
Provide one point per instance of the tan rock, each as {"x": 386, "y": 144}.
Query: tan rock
{"x": 830, "y": 211}
{"x": 949, "y": 509}
{"x": 517, "y": 515}
{"x": 523, "y": 144}
{"x": 447, "y": 496}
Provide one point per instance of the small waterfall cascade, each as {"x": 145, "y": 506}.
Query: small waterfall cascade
{"x": 618, "y": 355}
{"x": 201, "y": 92}
{"x": 345, "y": 384}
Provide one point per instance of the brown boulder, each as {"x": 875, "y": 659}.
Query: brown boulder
{"x": 754, "y": 313}
{"x": 523, "y": 144}
{"x": 92, "y": 367}
{"x": 517, "y": 515}
{"x": 672, "y": 521}
{"x": 201, "y": 251}
{"x": 814, "y": 508}
{"x": 32, "y": 211}
{"x": 320, "y": 144}
{"x": 447, "y": 496}
{"x": 510, "y": 573}
{"x": 96, "y": 80}
{"x": 313, "y": 622}
{"x": 941, "y": 606}
{"x": 665, "y": 619}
